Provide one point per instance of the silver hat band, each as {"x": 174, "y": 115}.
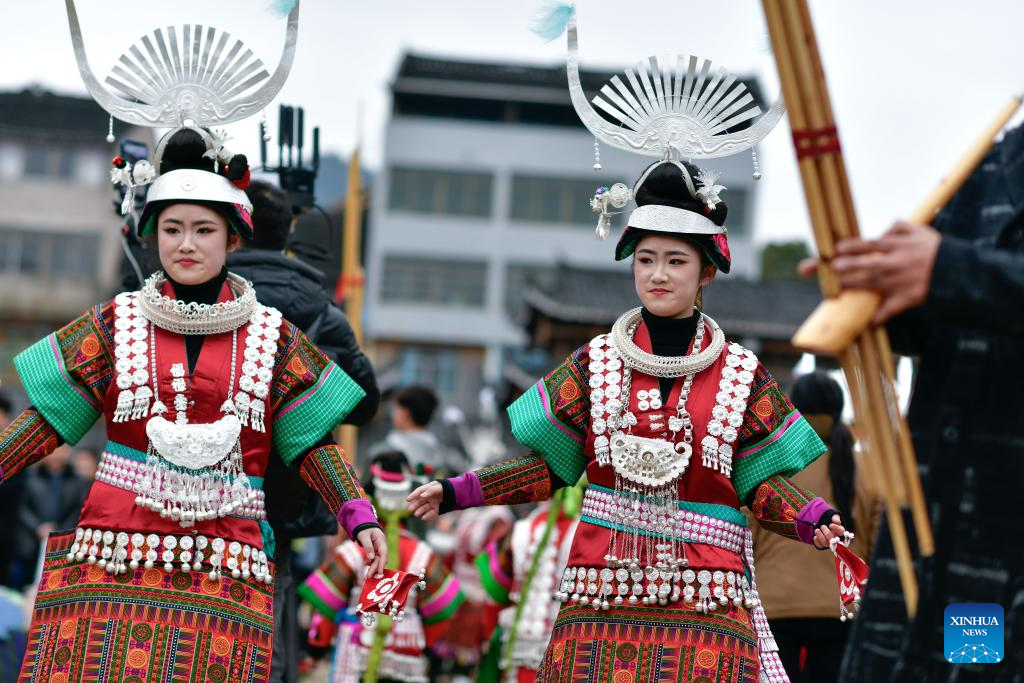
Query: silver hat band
{"x": 190, "y": 184}
{"x": 670, "y": 219}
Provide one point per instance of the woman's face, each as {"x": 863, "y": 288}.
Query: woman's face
{"x": 667, "y": 273}
{"x": 194, "y": 242}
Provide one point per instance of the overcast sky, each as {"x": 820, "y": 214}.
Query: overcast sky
{"x": 912, "y": 82}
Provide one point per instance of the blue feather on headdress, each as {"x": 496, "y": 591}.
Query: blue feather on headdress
{"x": 282, "y": 7}
{"x": 552, "y": 19}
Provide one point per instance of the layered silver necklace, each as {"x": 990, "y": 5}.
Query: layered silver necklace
{"x": 193, "y": 471}
{"x": 646, "y": 551}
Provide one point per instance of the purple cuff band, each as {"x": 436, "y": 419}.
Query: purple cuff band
{"x": 807, "y": 519}
{"x": 468, "y": 492}
{"x": 354, "y": 513}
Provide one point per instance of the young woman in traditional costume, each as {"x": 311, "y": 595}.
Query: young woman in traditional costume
{"x": 389, "y": 650}
{"x": 167, "y": 576}
{"x": 675, "y": 428}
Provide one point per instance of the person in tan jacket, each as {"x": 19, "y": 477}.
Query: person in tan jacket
{"x": 798, "y": 584}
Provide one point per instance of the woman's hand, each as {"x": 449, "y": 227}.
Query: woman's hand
{"x": 824, "y": 534}
{"x": 375, "y": 545}
{"x": 425, "y": 502}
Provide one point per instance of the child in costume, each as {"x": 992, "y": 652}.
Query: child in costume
{"x": 391, "y": 649}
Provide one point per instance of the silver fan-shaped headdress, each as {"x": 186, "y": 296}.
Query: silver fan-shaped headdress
{"x": 672, "y": 109}
{"x": 192, "y": 76}
{"x": 195, "y": 78}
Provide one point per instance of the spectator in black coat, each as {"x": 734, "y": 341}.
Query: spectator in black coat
{"x": 953, "y": 295}
{"x": 297, "y": 290}
{"x": 51, "y": 500}
{"x": 10, "y": 501}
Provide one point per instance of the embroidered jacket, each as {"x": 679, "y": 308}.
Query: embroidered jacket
{"x": 69, "y": 378}
{"x": 554, "y": 420}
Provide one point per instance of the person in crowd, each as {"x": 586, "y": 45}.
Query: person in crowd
{"x": 389, "y": 650}
{"x": 86, "y": 463}
{"x": 297, "y": 290}
{"x": 520, "y": 574}
{"x": 200, "y": 385}
{"x": 412, "y": 409}
{"x": 951, "y": 295}
{"x": 10, "y": 503}
{"x": 676, "y": 429}
{"x": 52, "y": 497}
{"x": 797, "y": 584}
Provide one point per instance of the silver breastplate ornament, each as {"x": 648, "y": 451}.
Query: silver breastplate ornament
{"x": 647, "y": 470}
{"x": 193, "y": 471}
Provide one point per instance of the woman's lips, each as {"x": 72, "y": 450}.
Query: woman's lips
{"x": 187, "y": 262}
{"x": 658, "y": 291}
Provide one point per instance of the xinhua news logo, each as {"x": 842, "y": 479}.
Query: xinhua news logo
{"x": 974, "y": 633}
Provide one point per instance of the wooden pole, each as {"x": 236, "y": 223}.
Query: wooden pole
{"x": 350, "y": 286}
{"x": 870, "y": 375}
{"x": 842, "y": 316}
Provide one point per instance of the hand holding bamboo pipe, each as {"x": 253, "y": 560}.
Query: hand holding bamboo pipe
{"x": 898, "y": 266}
{"x": 837, "y": 321}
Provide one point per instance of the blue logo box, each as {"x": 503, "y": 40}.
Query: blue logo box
{"x": 974, "y": 633}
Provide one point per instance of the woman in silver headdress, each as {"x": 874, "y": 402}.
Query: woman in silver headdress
{"x": 167, "y": 576}
{"x": 676, "y": 429}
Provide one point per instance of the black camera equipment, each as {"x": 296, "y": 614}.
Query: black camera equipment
{"x": 293, "y": 176}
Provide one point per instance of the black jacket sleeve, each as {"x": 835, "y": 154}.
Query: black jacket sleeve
{"x": 338, "y": 341}
{"x": 977, "y": 285}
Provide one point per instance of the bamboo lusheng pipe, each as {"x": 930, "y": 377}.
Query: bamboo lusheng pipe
{"x": 838, "y": 319}
{"x": 823, "y": 172}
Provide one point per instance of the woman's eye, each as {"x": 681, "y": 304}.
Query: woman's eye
{"x": 675, "y": 262}
{"x": 205, "y": 230}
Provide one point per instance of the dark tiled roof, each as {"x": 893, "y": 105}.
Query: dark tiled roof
{"x": 37, "y": 111}
{"x": 743, "y": 308}
{"x": 442, "y": 68}
{"x": 554, "y": 77}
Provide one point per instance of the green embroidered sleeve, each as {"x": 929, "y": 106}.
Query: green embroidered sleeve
{"x": 520, "y": 480}
{"x": 777, "y": 503}
{"x": 66, "y": 374}
{"x": 310, "y": 394}
{"x": 552, "y": 418}
{"x": 328, "y": 473}
{"x": 774, "y": 438}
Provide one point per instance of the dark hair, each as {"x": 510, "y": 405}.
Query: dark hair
{"x": 6, "y": 405}
{"x": 185, "y": 149}
{"x": 818, "y": 394}
{"x": 420, "y": 401}
{"x": 389, "y": 461}
{"x": 271, "y": 216}
{"x": 665, "y": 186}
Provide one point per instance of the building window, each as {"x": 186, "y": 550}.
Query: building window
{"x": 56, "y": 255}
{"x": 519, "y": 278}
{"x": 553, "y": 200}
{"x": 432, "y": 367}
{"x": 738, "y": 218}
{"x": 433, "y": 281}
{"x": 49, "y": 162}
{"x": 451, "y": 193}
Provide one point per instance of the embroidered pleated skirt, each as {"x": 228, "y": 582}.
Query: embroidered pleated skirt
{"x": 145, "y": 625}
{"x": 643, "y": 644}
